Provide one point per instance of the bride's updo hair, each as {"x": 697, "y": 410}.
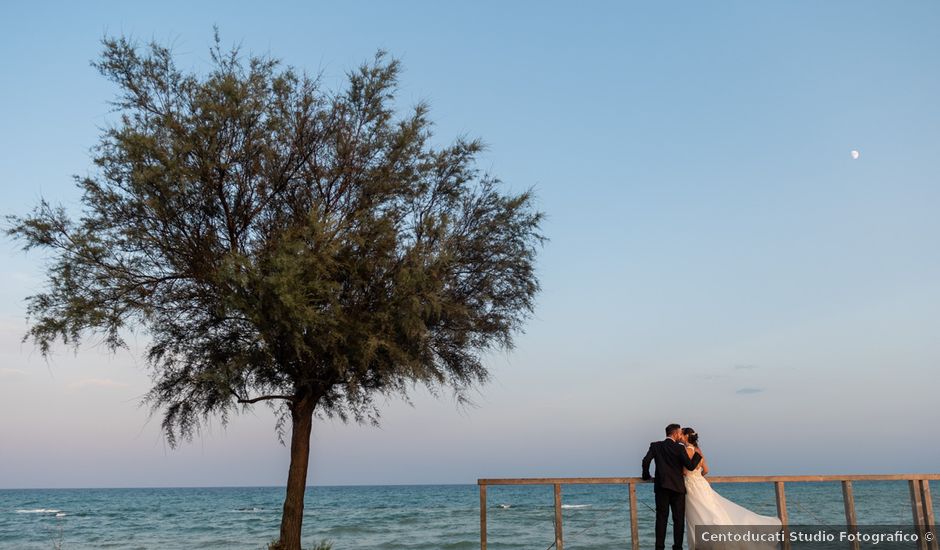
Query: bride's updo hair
{"x": 693, "y": 437}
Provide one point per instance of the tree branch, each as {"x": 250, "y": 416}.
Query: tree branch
{"x": 265, "y": 398}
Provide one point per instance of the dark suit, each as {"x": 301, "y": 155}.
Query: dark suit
{"x": 668, "y": 484}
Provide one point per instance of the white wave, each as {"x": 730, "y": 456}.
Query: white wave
{"x": 250, "y": 510}
{"x": 575, "y": 506}
{"x": 505, "y": 506}
{"x": 61, "y": 515}
{"x": 38, "y": 511}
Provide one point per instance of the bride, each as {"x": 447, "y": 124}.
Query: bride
{"x": 703, "y": 506}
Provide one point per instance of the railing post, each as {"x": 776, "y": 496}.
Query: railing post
{"x": 782, "y": 513}
{"x": 917, "y": 507}
{"x": 851, "y": 521}
{"x": 634, "y": 528}
{"x": 483, "y": 516}
{"x": 929, "y": 522}
{"x": 559, "y": 543}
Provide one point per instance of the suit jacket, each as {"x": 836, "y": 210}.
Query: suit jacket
{"x": 671, "y": 458}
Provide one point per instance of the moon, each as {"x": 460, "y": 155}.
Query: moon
{"x": 855, "y": 154}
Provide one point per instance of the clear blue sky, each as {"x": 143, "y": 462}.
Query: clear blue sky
{"x": 716, "y": 259}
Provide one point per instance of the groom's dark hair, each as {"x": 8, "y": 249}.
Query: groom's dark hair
{"x": 672, "y": 428}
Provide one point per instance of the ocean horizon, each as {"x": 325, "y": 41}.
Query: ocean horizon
{"x": 417, "y": 517}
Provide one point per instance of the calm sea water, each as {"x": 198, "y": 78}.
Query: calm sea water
{"x": 414, "y": 517}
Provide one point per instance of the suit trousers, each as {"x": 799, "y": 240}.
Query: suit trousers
{"x": 666, "y": 500}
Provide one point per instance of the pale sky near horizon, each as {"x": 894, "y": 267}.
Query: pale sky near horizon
{"x": 717, "y": 258}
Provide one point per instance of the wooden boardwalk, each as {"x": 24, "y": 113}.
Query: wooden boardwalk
{"x": 921, "y": 503}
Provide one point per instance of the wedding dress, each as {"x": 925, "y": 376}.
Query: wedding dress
{"x": 705, "y": 507}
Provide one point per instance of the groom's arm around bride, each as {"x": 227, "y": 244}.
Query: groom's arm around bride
{"x": 670, "y": 457}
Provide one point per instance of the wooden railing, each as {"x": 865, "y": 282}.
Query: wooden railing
{"x": 919, "y": 484}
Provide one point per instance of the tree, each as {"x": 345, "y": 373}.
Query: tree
{"x": 280, "y": 243}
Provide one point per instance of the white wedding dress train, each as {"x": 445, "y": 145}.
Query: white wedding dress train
{"x": 703, "y": 506}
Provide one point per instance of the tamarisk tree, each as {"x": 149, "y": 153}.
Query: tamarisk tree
{"x": 282, "y": 243}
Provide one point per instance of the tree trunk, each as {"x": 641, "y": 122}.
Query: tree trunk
{"x": 293, "y": 517}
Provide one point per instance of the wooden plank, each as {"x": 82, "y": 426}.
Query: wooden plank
{"x": 715, "y": 479}
{"x": 917, "y": 508}
{"x": 561, "y": 480}
{"x": 559, "y": 542}
{"x": 823, "y": 478}
{"x": 781, "y": 495}
{"x": 929, "y": 521}
{"x": 482, "y": 517}
{"x": 634, "y": 526}
{"x": 851, "y": 521}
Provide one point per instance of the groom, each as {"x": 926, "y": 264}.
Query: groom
{"x": 668, "y": 485}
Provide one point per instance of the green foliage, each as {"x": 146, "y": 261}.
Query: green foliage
{"x": 278, "y": 242}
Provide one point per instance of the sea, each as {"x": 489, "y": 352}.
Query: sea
{"x": 417, "y": 517}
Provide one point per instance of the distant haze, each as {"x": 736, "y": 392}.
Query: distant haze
{"x": 716, "y": 259}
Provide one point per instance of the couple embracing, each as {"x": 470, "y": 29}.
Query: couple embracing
{"x": 680, "y": 486}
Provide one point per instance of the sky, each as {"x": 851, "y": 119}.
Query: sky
{"x": 716, "y": 256}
